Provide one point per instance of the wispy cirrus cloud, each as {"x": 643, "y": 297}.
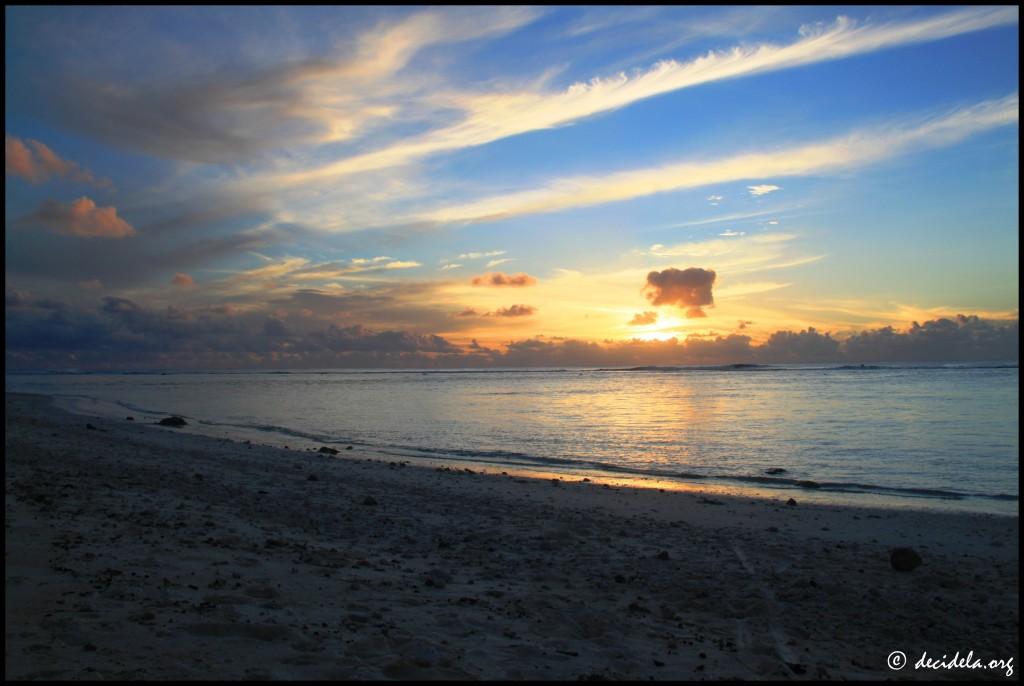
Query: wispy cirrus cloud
{"x": 856, "y": 149}
{"x": 496, "y": 115}
{"x": 234, "y": 115}
{"x": 763, "y": 189}
{"x": 478, "y": 254}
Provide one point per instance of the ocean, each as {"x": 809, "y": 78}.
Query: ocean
{"x": 928, "y": 436}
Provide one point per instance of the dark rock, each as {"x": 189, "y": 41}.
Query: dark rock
{"x": 709, "y": 501}
{"x": 775, "y": 470}
{"x": 172, "y": 421}
{"x": 369, "y": 500}
{"x": 90, "y": 426}
{"x": 312, "y": 477}
{"x": 327, "y": 451}
{"x": 808, "y": 484}
{"x": 436, "y": 578}
{"x": 348, "y": 448}
{"x": 904, "y": 559}
{"x": 791, "y": 502}
{"x": 130, "y": 418}
{"x": 663, "y": 555}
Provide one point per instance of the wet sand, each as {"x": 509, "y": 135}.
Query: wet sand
{"x": 139, "y": 551}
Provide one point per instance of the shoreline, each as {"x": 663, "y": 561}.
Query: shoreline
{"x": 137, "y": 550}
{"x": 751, "y": 485}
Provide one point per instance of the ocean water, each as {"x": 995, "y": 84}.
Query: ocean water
{"x": 913, "y": 436}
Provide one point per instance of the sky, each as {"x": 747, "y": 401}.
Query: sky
{"x": 311, "y": 187}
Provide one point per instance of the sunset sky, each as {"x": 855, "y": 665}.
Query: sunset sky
{"x": 320, "y": 186}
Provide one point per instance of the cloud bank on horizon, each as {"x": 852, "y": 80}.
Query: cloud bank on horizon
{"x": 199, "y": 181}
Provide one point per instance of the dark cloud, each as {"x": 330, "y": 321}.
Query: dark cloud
{"x": 965, "y": 338}
{"x": 179, "y": 240}
{"x": 513, "y": 311}
{"x": 502, "y": 279}
{"x": 688, "y": 289}
{"x": 118, "y": 332}
{"x": 803, "y": 346}
{"x": 121, "y": 333}
{"x": 275, "y": 328}
{"x": 221, "y": 118}
{"x": 358, "y": 339}
{"x": 643, "y": 318}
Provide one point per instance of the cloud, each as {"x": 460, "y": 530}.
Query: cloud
{"x": 513, "y": 311}
{"x": 35, "y": 162}
{"x": 856, "y": 149}
{"x": 688, "y": 289}
{"x": 182, "y": 280}
{"x": 963, "y": 338}
{"x": 121, "y": 333}
{"x": 478, "y": 255}
{"x": 300, "y": 269}
{"x": 81, "y": 218}
{"x": 502, "y": 279}
{"x": 763, "y": 189}
{"x": 180, "y": 235}
{"x": 235, "y": 115}
{"x": 275, "y": 328}
{"x": 643, "y": 318}
{"x": 497, "y": 115}
{"x": 803, "y": 346}
{"x": 357, "y": 338}
{"x": 495, "y": 263}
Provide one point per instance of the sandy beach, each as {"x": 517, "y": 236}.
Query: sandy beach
{"x": 140, "y": 551}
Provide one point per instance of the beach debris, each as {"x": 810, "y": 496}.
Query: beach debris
{"x": 775, "y": 470}
{"x": 436, "y": 578}
{"x": 904, "y": 559}
{"x": 172, "y": 421}
{"x": 328, "y": 451}
{"x": 637, "y": 608}
{"x": 791, "y": 502}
